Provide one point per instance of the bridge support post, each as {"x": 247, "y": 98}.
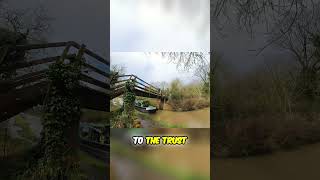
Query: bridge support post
{"x": 161, "y": 104}
{"x": 72, "y": 133}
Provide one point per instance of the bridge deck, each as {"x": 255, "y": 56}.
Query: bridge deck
{"x": 26, "y": 91}
{"x": 141, "y": 88}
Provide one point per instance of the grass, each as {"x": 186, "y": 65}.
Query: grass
{"x": 174, "y": 172}
{"x": 25, "y": 130}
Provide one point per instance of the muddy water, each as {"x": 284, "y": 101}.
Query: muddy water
{"x": 189, "y": 119}
{"x": 125, "y": 169}
{"x": 303, "y": 163}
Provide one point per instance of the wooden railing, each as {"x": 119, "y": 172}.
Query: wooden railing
{"x": 19, "y": 92}
{"x": 37, "y": 76}
{"x": 147, "y": 90}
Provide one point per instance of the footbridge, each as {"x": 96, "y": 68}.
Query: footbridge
{"x": 140, "y": 88}
{"x": 29, "y": 87}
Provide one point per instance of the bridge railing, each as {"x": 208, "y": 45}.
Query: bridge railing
{"x": 87, "y": 79}
{"x": 118, "y": 85}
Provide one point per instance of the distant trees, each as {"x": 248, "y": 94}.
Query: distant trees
{"x": 187, "y": 97}
{"x": 198, "y": 61}
{"x": 289, "y": 24}
{"x": 19, "y": 26}
{"x": 116, "y": 71}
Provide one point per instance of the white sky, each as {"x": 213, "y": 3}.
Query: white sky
{"x": 159, "y": 25}
{"x": 150, "y": 67}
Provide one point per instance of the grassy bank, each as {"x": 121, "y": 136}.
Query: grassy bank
{"x": 158, "y": 122}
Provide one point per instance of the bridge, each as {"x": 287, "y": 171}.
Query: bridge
{"x": 29, "y": 89}
{"x": 140, "y": 88}
{"x": 30, "y": 85}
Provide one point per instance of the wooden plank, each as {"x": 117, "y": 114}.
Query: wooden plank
{"x": 92, "y": 99}
{"x": 118, "y": 86}
{"x": 97, "y": 70}
{"x": 90, "y": 53}
{"x": 144, "y": 82}
{"x": 146, "y": 90}
{"x": 97, "y": 57}
{"x": 31, "y": 79}
{"x": 144, "y": 94}
{"x": 39, "y": 46}
{"x": 93, "y": 81}
{"x": 29, "y": 75}
{"x": 16, "y": 101}
{"x": 30, "y": 63}
{"x": 124, "y": 76}
{"x": 119, "y": 81}
{"x": 7, "y": 85}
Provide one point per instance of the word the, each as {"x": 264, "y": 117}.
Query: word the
{"x": 157, "y": 140}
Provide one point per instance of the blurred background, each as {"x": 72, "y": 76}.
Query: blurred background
{"x": 190, "y": 161}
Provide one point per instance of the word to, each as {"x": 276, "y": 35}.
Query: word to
{"x": 157, "y": 140}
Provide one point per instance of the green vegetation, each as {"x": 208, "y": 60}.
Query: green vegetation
{"x": 265, "y": 111}
{"x": 123, "y": 118}
{"x": 57, "y": 159}
{"x": 25, "y": 130}
{"x": 188, "y": 97}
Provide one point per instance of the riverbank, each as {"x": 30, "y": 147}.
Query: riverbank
{"x": 19, "y": 141}
{"x": 172, "y": 119}
{"x": 265, "y": 134}
{"x": 301, "y": 163}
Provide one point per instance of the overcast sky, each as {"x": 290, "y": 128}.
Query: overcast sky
{"x": 82, "y": 21}
{"x": 147, "y": 26}
{"x": 151, "y": 67}
{"x": 159, "y": 25}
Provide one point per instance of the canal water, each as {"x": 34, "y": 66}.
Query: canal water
{"x": 189, "y": 119}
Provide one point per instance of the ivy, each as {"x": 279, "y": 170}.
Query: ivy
{"x": 128, "y": 100}
{"x": 61, "y": 110}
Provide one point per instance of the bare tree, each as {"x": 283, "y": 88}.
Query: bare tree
{"x": 186, "y": 60}
{"x": 30, "y": 23}
{"x": 290, "y": 24}
{"x": 19, "y": 26}
{"x": 252, "y": 14}
{"x": 116, "y": 71}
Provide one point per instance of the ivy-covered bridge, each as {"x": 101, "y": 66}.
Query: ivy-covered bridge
{"x": 140, "y": 88}
{"x": 29, "y": 89}
{"x": 71, "y": 78}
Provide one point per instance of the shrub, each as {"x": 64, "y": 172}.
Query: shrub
{"x": 264, "y": 134}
